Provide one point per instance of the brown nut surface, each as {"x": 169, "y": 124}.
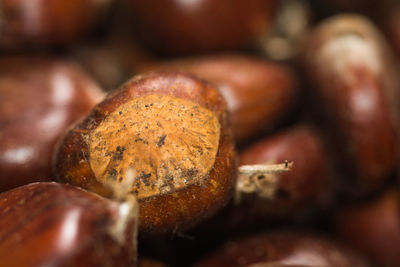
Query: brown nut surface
{"x": 182, "y": 27}
{"x": 27, "y": 22}
{"x": 355, "y": 88}
{"x": 40, "y": 98}
{"x": 283, "y": 249}
{"x": 259, "y": 93}
{"x": 170, "y": 131}
{"x": 50, "y": 224}
{"x": 306, "y": 186}
{"x": 373, "y": 227}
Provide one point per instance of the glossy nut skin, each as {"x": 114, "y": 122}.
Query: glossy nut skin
{"x": 51, "y": 224}
{"x": 40, "y": 98}
{"x": 355, "y": 92}
{"x": 306, "y": 186}
{"x": 27, "y": 22}
{"x": 282, "y": 249}
{"x": 162, "y": 212}
{"x": 373, "y": 227}
{"x": 182, "y": 27}
{"x": 259, "y": 93}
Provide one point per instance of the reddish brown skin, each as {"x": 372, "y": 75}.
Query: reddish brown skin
{"x": 309, "y": 182}
{"x": 183, "y": 27}
{"x": 373, "y": 227}
{"x": 281, "y": 248}
{"x": 298, "y": 194}
{"x": 364, "y": 140}
{"x": 258, "y": 93}
{"x": 160, "y": 213}
{"x": 27, "y": 22}
{"x": 35, "y": 217}
{"x": 40, "y": 98}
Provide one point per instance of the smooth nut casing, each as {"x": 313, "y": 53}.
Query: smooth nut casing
{"x": 170, "y": 132}
{"x": 373, "y": 227}
{"x": 42, "y": 22}
{"x": 182, "y": 27}
{"x": 355, "y": 92}
{"x": 40, "y": 98}
{"x": 51, "y": 224}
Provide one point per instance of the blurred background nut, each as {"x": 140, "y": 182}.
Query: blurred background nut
{"x": 259, "y": 93}
{"x": 373, "y": 227}
{"x": 183, "y": 27}
{"x": 309, "y": 183}
{"x": 50, "y": 224}
{"x": 355, "y": 95}
{"x": 42, "y": 22}
{"x": 263, "y": 200}
{"x": 40, "y": 98}
{"x": 285, "y": 248}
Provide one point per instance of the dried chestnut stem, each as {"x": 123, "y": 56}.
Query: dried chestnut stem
{"x": 255, "y": 179}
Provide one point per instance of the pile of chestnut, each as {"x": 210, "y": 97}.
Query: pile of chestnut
{"x": 199, "y": 133}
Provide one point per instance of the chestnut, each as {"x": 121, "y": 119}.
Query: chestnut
{"x": 40, "y": 98}
{"x": 171, "y": 132}
{"x": 283, "y": 248}
{"x": 185, "y": 27}
{"x": 259, "y": 93}
{"x": 307, "y": 186}
{"x": 354, "y": 93}
{"x": 51, "y": 224}
{"x": 42, "y": 22}
{"x": 373, "y": 227}
{"x": 266, "y": 199}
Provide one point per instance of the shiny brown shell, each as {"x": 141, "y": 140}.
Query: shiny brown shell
{"x": 40, "y": 99}
{"x": 184, "y": 27}
{"x": 354, "y": 89}
{"x": 51, "y": 224}
{"x": 170, "y": 133}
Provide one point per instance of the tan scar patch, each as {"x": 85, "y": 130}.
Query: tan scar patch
{"x": 169, "y": 143}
